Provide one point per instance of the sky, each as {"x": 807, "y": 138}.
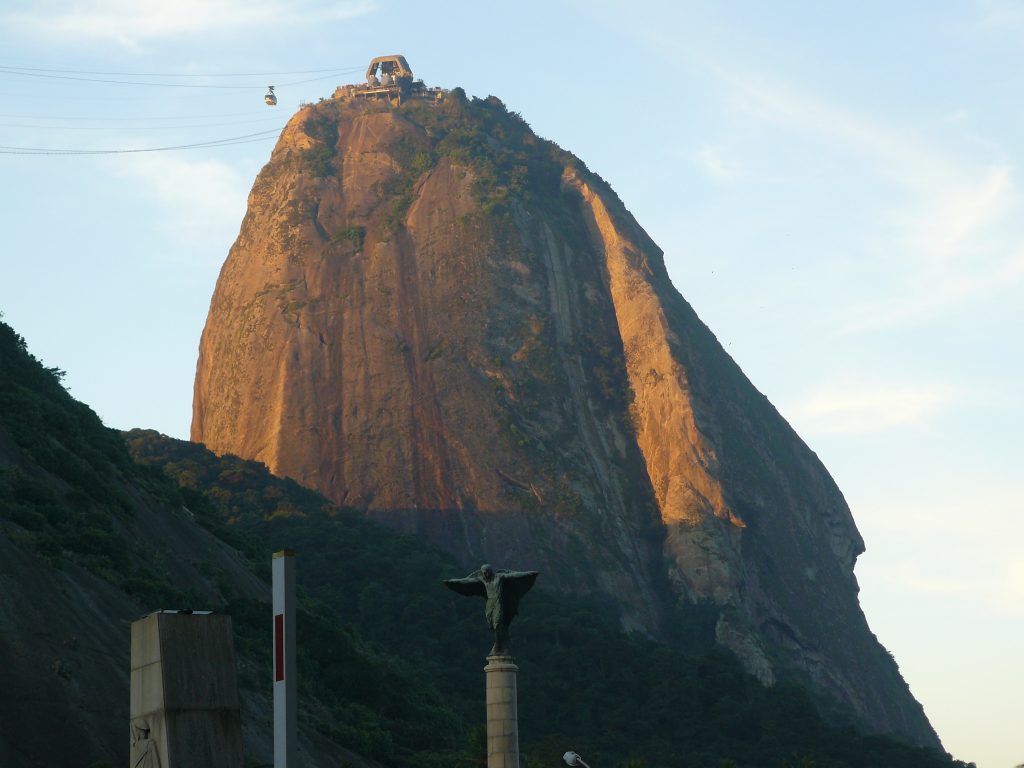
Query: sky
{"x": 836, "y": 188}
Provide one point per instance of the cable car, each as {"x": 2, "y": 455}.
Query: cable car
{"x": 270, "y": 98}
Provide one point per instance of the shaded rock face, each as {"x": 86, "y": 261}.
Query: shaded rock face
{"x": 437, "y": 317}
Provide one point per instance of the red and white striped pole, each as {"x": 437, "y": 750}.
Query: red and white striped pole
{"x": 283, "y": 568}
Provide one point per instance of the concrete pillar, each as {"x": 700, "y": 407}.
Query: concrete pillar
{"x": 285, "y": 675}
{"x": 502, "y": 713}
{"x": 184, "y": 692}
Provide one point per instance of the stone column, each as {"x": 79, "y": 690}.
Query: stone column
{"x": 184, "y": 694}
{"x": 502, "y": 713}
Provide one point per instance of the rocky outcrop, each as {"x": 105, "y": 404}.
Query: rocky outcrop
{"x": 435, "y": 316}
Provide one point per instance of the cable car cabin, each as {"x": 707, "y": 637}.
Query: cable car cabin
{"x": 270, "y": 98}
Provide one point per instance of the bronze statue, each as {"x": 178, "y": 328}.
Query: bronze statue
{"x": 503, "y": 591}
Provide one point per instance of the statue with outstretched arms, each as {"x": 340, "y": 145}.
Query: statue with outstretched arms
{"x": 503, "y": 590}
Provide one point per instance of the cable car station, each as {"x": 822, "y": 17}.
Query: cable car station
{"x": 391, "y": 78}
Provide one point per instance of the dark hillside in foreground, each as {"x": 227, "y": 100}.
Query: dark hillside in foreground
{"x": 583, "y": 683}
{"x": 391, "y": 662}
{"x": 90, "y": 541}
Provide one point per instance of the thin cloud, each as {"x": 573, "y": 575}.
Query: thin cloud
{"x": 860, "y": 410}
{"x": 1001, "y": 587}
{"x": 986, "y": 521}
{"x": 131, "y": 23}
{"x": 955, "y": 233}
{"x": 955, "y": 511}
{"x": 957, "y": 214}
{"x": 203, "y": 201}
{"x": 961, "y": 234}
{"x": 936, "y": 290}
{"x": 714, "y": 162}
{"x": 963, "y": 244}
{"x": 1002, "y": 16}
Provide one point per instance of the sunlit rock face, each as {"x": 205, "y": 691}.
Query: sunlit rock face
{"x": 437, "y": 317}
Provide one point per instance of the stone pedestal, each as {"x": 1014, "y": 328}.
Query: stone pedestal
{"x": 502, "y": 713}
{"x": 184, "y": 693}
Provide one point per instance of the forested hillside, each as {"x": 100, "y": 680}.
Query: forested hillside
{"x": 92, "y": 536}
{"x": 583, "y": 683}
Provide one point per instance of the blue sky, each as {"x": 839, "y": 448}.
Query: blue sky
{"x": 836, "y": 188}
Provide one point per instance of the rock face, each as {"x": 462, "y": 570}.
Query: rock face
{"x": 435, "y": 316}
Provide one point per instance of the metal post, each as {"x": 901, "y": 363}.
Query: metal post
{"x": 283, "y": 567}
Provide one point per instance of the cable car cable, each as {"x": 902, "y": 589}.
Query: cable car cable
{"x": 151, "y": 117}
{"x": 15, "y": 151}
{"x": 157, "y": 85}
{"x": 7, "y": 150}
{"x": 339, "y": 71}
{"x": 134, "y": 127}
{"x": 120, "y": 151}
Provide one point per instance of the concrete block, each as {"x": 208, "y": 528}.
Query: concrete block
{"x": 147, "y": 690}
{"x": 184, "y": 692}
{"x": 146, "y": 641}
{"x": 204, "y": 738}
{"x": 198, "y": 661}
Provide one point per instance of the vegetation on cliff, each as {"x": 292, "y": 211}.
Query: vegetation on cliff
{"x": 66, "y": 481}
